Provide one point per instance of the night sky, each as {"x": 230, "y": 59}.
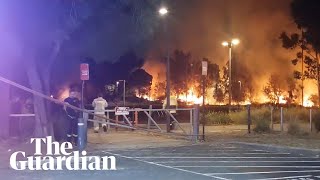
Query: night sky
{"x": 193, "y": 25}
{"x": 201, "y": 26}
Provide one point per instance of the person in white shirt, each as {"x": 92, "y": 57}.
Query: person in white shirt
{"x": 99, "y": 104}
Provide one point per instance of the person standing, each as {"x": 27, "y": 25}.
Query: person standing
{"x": 99, "y": 104}
{"x": 72, "y": 117}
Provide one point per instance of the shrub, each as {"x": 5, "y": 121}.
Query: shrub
{"x": 301, "y": 114}
{"x": 261, "y": 125}
{"x": 316, "y": 120}
{"x": 239, "y": 117}
{"x": 217, "y": 118}
{"x": 294, "y": 127}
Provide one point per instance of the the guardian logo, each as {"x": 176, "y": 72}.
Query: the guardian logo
{"x": 62, "y": 157}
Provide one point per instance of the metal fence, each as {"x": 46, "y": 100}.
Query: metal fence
{"x": 281, "y": 118}
{"x": 184, "y": 121}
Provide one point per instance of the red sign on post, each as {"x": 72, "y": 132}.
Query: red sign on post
{"x": 84, "y": 72}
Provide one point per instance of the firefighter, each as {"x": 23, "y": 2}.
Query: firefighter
{"x": 99, "y": 104}
{"x": 72, "y": 117}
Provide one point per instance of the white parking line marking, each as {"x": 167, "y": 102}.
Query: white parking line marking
{"x": 169, "y": 167}
{"x": 264, "y": 172}
{"x": 221, "y": 157}
{"x": 311, "y": 167}
{"x": 268, "y": 153}
{"x": 210, "y": 150}
{"x": 221, "y": 153}
{"x": 306, "y": 176}
{"x": 235, "y": 161}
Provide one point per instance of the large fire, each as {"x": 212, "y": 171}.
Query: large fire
{"x": 190, "y": 98}
{"x": 308, "y": 103}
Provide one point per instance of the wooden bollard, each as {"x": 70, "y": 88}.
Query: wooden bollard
{"x": 136, "y": 121}
{"x": 117, "y": 119}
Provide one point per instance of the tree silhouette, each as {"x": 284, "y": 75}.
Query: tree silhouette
{"x": 274, "y": 89}
{"x": 305, "y": 14}
{"x": 43, "y": 28}
{"x": 141, "y": 81}
{"x": 179, "y": 66}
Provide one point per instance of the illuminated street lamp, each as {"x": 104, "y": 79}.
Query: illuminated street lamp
{"x": 230, "y": 44}
{"x": 240, "y": 85}
{"x": 163, "y": 11}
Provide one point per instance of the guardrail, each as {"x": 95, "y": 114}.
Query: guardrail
{"x": 22, "y": 115}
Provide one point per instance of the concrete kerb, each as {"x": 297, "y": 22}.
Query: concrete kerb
{"x": 275, "y": 148}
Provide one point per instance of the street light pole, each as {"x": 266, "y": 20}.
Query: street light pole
{"x": 168, "y": 80}
{"x": 302, "y": 66}
{"x": 163, "y": 12}
{"x": 230, "y": 44}
{"x": 124, "y": 93}
{"x": 230, "y": 80}
{"x": 124, "y": 90}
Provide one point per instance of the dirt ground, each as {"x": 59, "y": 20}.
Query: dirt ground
{"x": 137, "y": 139}
{"x": 236, "y": 133}
{"x": 130, "y": 140}
{"x": 240, "y": 134}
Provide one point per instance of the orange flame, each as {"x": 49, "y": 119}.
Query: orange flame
{"x": 190, "y": 98}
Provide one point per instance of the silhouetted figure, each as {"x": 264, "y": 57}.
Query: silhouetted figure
{"x": 72, "y": 117}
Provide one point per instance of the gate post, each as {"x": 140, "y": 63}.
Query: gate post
{"x": 310, "y": 118}
{"x": 136, "y": 121}
{"x": 191, "y": 125}
{"x": 82, "y": 132}
{"x": 249, "y": 118}
{"x": 281, "y": 119}
{"x": 117, "y": 120}
{"x": 272, "y": 117}
{"x": 196, "y": 123}
{"x": 149, "y": 121}
{"x": 108, "y": 120}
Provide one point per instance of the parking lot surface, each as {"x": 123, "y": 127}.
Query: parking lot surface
{"x": 190, "y": 162}
{"x": 225, "y": 161}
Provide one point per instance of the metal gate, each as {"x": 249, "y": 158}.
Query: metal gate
{"x": 191, "y": 133}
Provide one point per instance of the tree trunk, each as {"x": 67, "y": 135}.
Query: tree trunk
{"x": 43, "y": 127}
{"x": 5, "y": 109}
{"x": 47, "y": 91}
{"x": 46, "y": 81}
{"x": 318, "y": 78}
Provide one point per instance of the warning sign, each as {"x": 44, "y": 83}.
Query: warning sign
{"x": 84, "y": 72}
{"x": 121, "y": 111}
{"x": 204, "y": 68}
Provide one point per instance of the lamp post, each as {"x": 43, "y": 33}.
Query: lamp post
{"x": 302, "y": 67}
{"x": 124, "y": 91}
{"x": 230, "y": 44}
{"x": 163, "y": 13}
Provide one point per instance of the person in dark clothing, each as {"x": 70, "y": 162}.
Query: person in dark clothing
{"x": 72, "y": 117}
